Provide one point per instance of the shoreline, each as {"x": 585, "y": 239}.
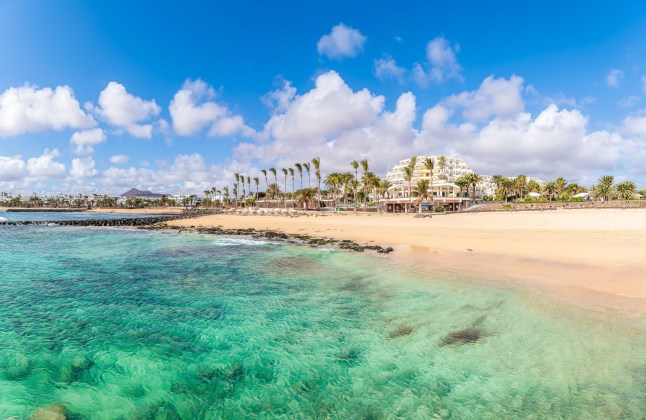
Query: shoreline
{"x": 585, "y": 257}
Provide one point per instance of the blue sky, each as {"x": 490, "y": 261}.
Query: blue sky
{"x": 549, "y": 89}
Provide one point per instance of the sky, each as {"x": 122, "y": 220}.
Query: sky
{"x": 176, "y": 97}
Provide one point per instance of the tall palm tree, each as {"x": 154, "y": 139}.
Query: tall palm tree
{"x": 299, "y": 168}
{"x": 285, "y": 171}
{"x": 256, "y": 181}
{"x": 309, "y": 180}
{"x": 408, "y": 176}
{"x": 560, "y": 185}
{"x": 346, "y": 178}
{"x": 604, "y": 187}
{"x": 236, "y": 176}
{"x": 249, "y": 184}
{"x": 317, "y": 172}
{"x": 428, "y": 165}
{"x": 441, "y": 162}
{"x": 364, "y": 166}
{"x": 264, "y": 173}
{"x": 226, "y": 195}
{"x": 291, "y": 173}
{"x": 422, "y": 191}
{"x": 355, "y": 166}
{"x": 474, "y": 179}
{"x": 520, "y": 183}
{"x": 273, "y": 171}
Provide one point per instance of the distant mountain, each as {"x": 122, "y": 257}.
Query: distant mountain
{"x": 140, "y": 194}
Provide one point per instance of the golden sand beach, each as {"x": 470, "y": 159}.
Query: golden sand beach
{"x": 595, "y": 257}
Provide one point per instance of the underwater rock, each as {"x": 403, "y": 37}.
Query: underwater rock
{"x": 349, "y": 356}
{"x": 77, "y": 367}
{"x": 465, "y": 336}
{"x": 51, "y": 412}
{"x": 401, "y": 331}
{"x": 16, "y": 366}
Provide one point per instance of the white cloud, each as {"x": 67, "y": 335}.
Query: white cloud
{"x": 278, "y": 100}
{"x": 343, "y": 41}
{"x": 119, "y": 159}
{"x": 614, "y": 78}
{"x": 27, "y": 109}
{"x": 387, "y": 68}
{"x": 635, "y": 124}
{"x": 191, "y": 112}
{"x": 126, "y": 111}
{"x": 45, "y": 166}
{"x": 12, "y": 168}
{"x": 495, "y": 97}
{"x": 83, "y": 168}
{"x": 441, "y": 63}
{"x": 84, "y": 141}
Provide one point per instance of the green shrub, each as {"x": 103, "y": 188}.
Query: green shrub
{"x": 507, "y": 207}
{"x": 576, "y": 200}
{"x": 440, "y": 209}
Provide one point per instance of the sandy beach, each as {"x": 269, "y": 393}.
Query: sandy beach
{"x": 174, "y": 210}
{"x": 594, "y": 257}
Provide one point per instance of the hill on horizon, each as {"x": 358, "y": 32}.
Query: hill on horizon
{"x": 133, "y": 192}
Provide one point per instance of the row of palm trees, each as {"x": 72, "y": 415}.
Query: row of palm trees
{"x": 559, "y": 189}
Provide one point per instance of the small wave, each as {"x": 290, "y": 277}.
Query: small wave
{"x": 3, "y": 219}
{"x": 238, "y": 241}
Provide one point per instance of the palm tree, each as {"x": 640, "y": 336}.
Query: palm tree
{"x": 422, "y": 190}
{"x": 520, "y": 184}
{"x": 441, "y": 162}
{"x": 235, "y": 194}
{"x": 364, "y": 166}
{"x": 355, "y": 166}
{"x": 346, "y": 178}
{"x": 332, "y": 181}
{"x": 317, "y": 171}
{"x": 226, "y": 195}
{"x": 306, "y": 196}
{"x": 604, "y": 186}
{"x": 560, "y": 185}
{"x": 207, "y": 193}
{"x": 249, "y": 184}
{"x": 273, "y": 171}
{"x": 307, "y": 168}
{"x": 273, "y": 190}
{"x": 408, "y": 176}
{"x": 256, "y": 181}
{"x": 285, "y": 171}
{"x": 550, "y": 188}
{"x": 264, "y": 173}
{"x": 299, "y": 168}
{"x": 427, "y": 164}
{"x": 474, "y": 179}
{"x": 626, "y": 189}
{"x": 291, "y": 173}
{"x": 236, "y": 176}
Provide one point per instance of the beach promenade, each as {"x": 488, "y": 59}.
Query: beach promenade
{"x": 594, "y": 257}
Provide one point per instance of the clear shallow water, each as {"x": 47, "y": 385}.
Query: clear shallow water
{"x": 60, "y": 216}
{"x": 135, "y": 324}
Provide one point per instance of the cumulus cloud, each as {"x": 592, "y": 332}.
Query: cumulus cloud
{"x": 83, "y": 168}
{"x": 342, "y": 41}
{"x": 495, "y": 97}
{"x": 125, "y": 111}
{"x": 614, "y": 78}
{"x": 28, "y": 109}
{"x": 387, "y": 68}
{"x": 12, "y": 168}
{"x": 192, "y": 110}
{"x": 279, "y": 99}
{"x": 45, "y": 166}
{"x": 119, "y": 159}
{"x": 441, "y": 63}
{"x": 635, "y": 124}
{"x": 629, "y": 101}
{"x": 84, "y": 141}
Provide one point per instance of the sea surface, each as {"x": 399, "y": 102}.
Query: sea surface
{"x": 130, "y": 324}
{"x": 60, "y": 216}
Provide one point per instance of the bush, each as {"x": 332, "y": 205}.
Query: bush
{"x": 508, "y": 207}
{"x": 440, "y": 209}
{"x": 576, "y": 200}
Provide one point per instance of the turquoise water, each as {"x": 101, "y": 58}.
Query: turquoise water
{"x": 60, "y": 216}
{"x": 133, "y": 324}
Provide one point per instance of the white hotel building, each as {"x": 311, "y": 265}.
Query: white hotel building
{"x": 444, "y": 191}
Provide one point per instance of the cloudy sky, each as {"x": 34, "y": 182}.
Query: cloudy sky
{"x": 175, "y": 98}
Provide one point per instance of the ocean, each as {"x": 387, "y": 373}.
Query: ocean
{"x": 117, "y": 323}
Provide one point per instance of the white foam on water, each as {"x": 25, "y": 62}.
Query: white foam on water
{"x": 238, "y": 242}
{"x": 3, "y": 219}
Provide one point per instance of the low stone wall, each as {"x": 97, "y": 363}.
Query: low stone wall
{"x": 43, "y": 210}
{"x": 120, "y": 222}
{"x": 554, "y": 205}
